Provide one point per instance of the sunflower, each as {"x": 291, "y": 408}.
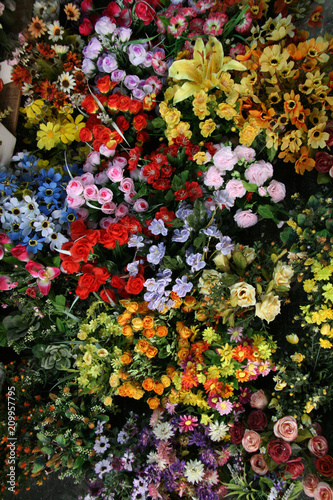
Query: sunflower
{"x": 37, "y": 27}
{"x": 72, "y": 12}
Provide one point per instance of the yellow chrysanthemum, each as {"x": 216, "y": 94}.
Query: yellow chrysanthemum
{"x": 207, "y": 127}
{"x": 49, "y": 135}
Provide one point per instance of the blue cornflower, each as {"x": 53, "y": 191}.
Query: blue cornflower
{"x": 49, "y": 192}
{"x": 68, "y": 216}
{"x": 48, "y": 176}
{"x": 156, "y": 253}
{"x": 182, "y": 287}
{"x": 33, "y": 243}
{"x": 195, "y": 261}
{"x": 29, "y": 162}
{"x": 7, "y": 184}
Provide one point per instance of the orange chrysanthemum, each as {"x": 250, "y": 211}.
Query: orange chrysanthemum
{"x": 20, "y": 76}
{"x": 37, "y": 27}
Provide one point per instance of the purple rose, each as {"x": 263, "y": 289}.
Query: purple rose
{"x": 138, "y": 94}
{"x": 118, "y": 75}
{"x": 107, "y": 63}
{"x": 105, "y": 26}
{"x": 136, "y": 53}
{"x": 88, "y": 67}
{"x": 131, "y": 82}
{"x": 93, "y": 49}
{"x": 123, "y": 34}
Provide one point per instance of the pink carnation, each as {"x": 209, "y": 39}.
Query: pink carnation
{"x": 245, "y": 218}
{"x": 277, "y": 191}
{"x": 235, "y": 188}
{"x": 213, "y": 178}
{"x": 258, "y": 173}
{"x": 225, "y": 159}
{"x": 248, "y": 154}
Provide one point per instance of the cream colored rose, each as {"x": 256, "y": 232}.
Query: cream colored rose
{"x": 249, "y": 254}
{"x": 282, "y": 274}
{"x": 222, "y": 261}
{"x": 208, "y": 279}
{"x": 269, "y": 307}
{"x": 242, "y": 294}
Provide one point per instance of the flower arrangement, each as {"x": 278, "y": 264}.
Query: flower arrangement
{"x": 172, "y": 299}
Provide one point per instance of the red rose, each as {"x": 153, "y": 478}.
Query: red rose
{"x": 32, "y": 291}
{"x": 142, "y": 136}
{"x": 78, "y": 229}
{"x": 124, "y": 103}
{"x": 279, "y": 451}
{"x": 329, "y": 130}
{"x": 134, "y": 285}
{"x": 144, "y": 12}
{"x": 118, "y": 232}
{"x": 89, "y": 104}
{"x": 112, "y": 10}
{"x": 237, "y": 432}
{"x": 324, "y": 465}
{"x": 139, "y": 122}
{"x": 81, "y": 250}
{"x": 113, "y": 102}
{"x": 135, "y": 106}
{"x": 82, "y": 293}
{"x": 101, "y": 274}
{"x": 20, "y": 252}
{"x": 257, "y": 420}
{"x": 85, "y": 134}
{"x": 122, "y": 123}
{"x": 324, "y": 162}
{"x": 117, "y": 281}
{"x": 92, "y": 236}
{"x": 4, "y": 238}
{"x": 103, "y": 84}
{"x": 69, "y": 266}
{"x": 88, "y": 281}
{"x": 295, "y": 468}
{"x": 107, "y": 294}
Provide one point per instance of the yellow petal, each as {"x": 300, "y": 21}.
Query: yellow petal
{"x": 215, "y": 56}
{"x": 187, "y": 90}
{"x": 234, "y": 65}
{"x": 185, "y": 70}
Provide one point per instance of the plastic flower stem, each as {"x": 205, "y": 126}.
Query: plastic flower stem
{"x": 66, "y": 164}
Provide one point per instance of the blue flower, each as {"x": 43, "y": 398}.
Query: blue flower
{"x": 225, "y": 246}
{"x": 157, "y": 227}
{"x": 181, "y": 235}
{"x": 156, "y": 253}
{"x": 182, "y": 287}
{"x": 49, "y": 192}
{"x": 195, "y": 261}
{"x": 48, "y": 176}
{"x": 7, "y": 185}
{"x": 33, "y": 243}
{"x": 68, "y": 216}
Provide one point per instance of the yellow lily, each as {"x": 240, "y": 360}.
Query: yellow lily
{"x": 204, "y": 70}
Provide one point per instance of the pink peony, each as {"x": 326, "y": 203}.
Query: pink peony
{"x": 245, "y": 218}
{"x": 235, "y": 188}
{"x": 225, "y": 159}
{"x": 277, "y": 191}
{"x": 310, "y": 483}
{"x": 258, "y": 173}
{"x": 213, "y": 178}
{"x": 248, "y": 154}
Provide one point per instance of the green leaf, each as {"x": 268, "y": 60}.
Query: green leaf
{"x": 39, "y": 464}
{"x": 60, "y": 325}
{"x": 47, "y": 450}
{"x": 61, "y": 441}
{"x": 266, "y": 211}
{"x": 313, "y": 203}
{"x": 250, "y": 188}
{"x": 169, "y": 196}
{"x": 271, "y": 153}
{"x": 42, "y": 438}
{"x": 323, "y": 179}
{"x": 239, "y": 259}
{"x": 199, "y": 241}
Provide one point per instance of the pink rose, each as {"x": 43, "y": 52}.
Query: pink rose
{"x": 262, "y": 191}
{"x": 318, "y": 446}
{"x": 104, "y": 195}
{"x": 258, "y": 173}
{"x": 258, "y": 400}
{"x": 248, "y": 154}
{"x": 279, "y": 451}
{"x": 75, "y": 201}
{"x": 104, "y": 150}
{"x": 295, "y": 468}
{"x": 108, "y": 207}
{"x": 286, "y": 428}
{"x": 4, "y": 238}
{"x": 310, "y": 483}
{"x": 82, "y": 212}
{"x": 20, "y": 252}
{"x": 101, "y": 178}
{"x": 87, "y": 179}
{"x": 245, "y": 218}
{"x": 90, "y": 192}
{"x": 88, "y": 167}
{"x": 121, "y": 210}
{"x": 277, "y": 191}
{"x": 235, "y": 189}
{"x": 126, "y": 185}
{"x": 94, "y": 158}
{"x": 115, "y": 174}
{"x": 323, "y": 492}
{"x": 258, "y": 464}
{"x": 140, "y": 205}
{"x": 106, "y": 221}
{"x": 119, "y": 161}
{"x": 225, "y": 159}
{"x": 74, "y": 188}
{"x": 213, "y": 178}
{"x": 251, "y": 441}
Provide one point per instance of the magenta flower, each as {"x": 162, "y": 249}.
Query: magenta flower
{"x": 43, "y": 274}
{"x": 187, "y": 423}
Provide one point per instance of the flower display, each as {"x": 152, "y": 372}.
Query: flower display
{"x": 165, "y": 276}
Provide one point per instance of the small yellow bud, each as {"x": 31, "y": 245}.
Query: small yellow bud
{"x": 292, "y": 338}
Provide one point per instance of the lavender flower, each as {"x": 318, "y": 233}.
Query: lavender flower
{"x": 136, "y": 54}
{"x": 212, "y": 231}
{"x": 181, "y": 235}
{"x": 156, "y": 253}
{"x": 223, "y": 199}
{"x": 118, "y": 75}
{"x": 133, "y": 268}
{"x": 107, "y": 63}
{"x": 135, "y": 241}
{"x": 195, "y": 261}
{"x": 225, "y": 246}
{"x": 105, "y": 26}
{"x": 157, "y": 227}
{"x": 131, "y": 82}
{"x": 93, "y": 49}
{"x": 99, "y": 427}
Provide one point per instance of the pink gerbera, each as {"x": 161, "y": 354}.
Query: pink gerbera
{"x": 245, "y": 24}
{"x": 177, "y": 26}
{"x": 187, "y": 423}
{"x": 224, "y": 406}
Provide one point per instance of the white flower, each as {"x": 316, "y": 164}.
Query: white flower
{"x": 55, "y": 31}
{"x": 56, "y": 240}
{"x": 60, "y": 49}
{"x": 163, "y": 431}
{"x": 194, "y": 471}
{"x": 44, "y": 226}
{"x": 66, "y": 81}
{"x": 217, "y": 431}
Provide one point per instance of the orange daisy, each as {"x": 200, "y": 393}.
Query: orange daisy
{"x": 72, "y": 12}
{"x": 37, "y": 27}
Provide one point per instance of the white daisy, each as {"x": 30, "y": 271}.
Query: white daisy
{"x": 55, "y": 31}
{"x": 60, "y": 49}
{"x": 66, "y": 81}
{"x": 31, "y": 209}
{"x": 217, "y": 431}
{"x": 44, "y": 226}
{"x": 163, "y": 431}
{"x": 194, "y": 471}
